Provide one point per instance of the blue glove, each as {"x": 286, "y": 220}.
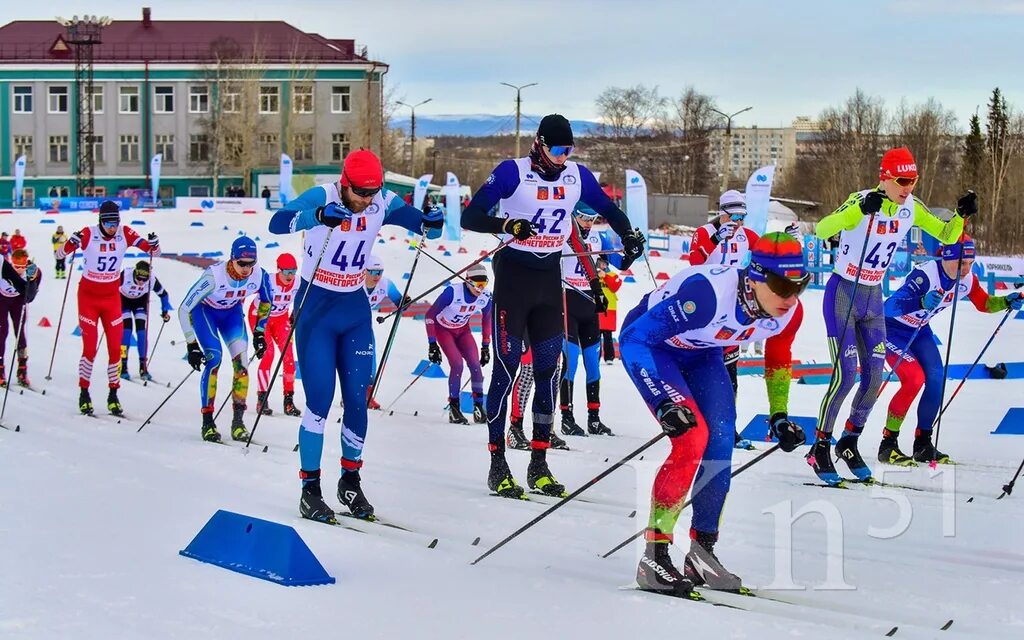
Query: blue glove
{"x": 433, "y": 222}
{"x": 31, "y": 271}
{"x": 332, "y": 214}
{"x": 1015, "y": 300}
{"x": 931, "y": 300}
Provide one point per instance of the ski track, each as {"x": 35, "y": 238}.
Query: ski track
{"x": 92, "y": 514}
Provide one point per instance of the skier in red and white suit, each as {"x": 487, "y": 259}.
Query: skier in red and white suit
{"x": 279, "y": 325}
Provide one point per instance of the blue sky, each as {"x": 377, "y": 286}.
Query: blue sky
{"x": 783, "y": 57}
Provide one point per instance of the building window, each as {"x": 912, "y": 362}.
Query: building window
{"x": 59, "y": 148}
{"x": 28, "y": 196}
{"x": 97, "y": 99}
{"x": 269, "y": 100}
{"x": 302, "y": 147}
{"x": 340, "y": 146}
{"x": 23, "y": 147}
{"x": 58, "y": 100}
{"x": 22, "y": 99}
{"x": 198, "y": 99}
{"x": 229, "y": 102}
{"x": 269, "y": 147}
{"x": 199, "y": 148}
{"x": 302, "y": 99}
{"x": 164, "y": 144}
{"x": 233, "y": 149}
{"x": 341, "y": 99}
{"x": 198, "y": 190}
{"x": 130, "y": 148}
{"x": 128, "y": 100}
{"x": 163, "y": 99}
{"x": 99, "y": 155}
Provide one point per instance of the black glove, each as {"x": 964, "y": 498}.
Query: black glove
{"x": 76, "y": 239}
{"x": 967, "y": 205}
{"x": 434, "y": 353}
{"x": 520, "y": 229}
{"x": 195, "y": 356}
{"x": 633, "y": 244}
{"x": 789, "y": 434}
{"x": 871, "y": 203}
{"x": 154, "y": 242}
{"x": 166, "y": 317}
{"x": 675, "y": 419}
{"x": 600, "y": 301}
{"x": 485, "y": 355}
{"x": 332, "y": 214}
{"x": 259, "y": 343}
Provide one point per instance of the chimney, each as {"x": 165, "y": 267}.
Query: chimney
{"x": 147, "y": 20}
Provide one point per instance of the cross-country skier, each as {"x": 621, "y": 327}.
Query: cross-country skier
{"x": 19, "y": 284}
{"x": 671, "y": 345}
{"x": 334, "y": 330}
{"x": 135, "y": 290}
{"x": 378, "y": 288}
{"x": 608, "y": 320}
{"x": 278, "y": 327}
{"x": 536, "y": 195}
{"x": 448, "y": 330}
{"x": 872, "y": 222}
{"x": 520, "y": 399}
{"x": 57, "y": 240}
{"x": 583, "y": 335}
{"x": 726, "y": 241}
{"x": 926, "y": 292}
{"x": 99, "y": 295}
{"x": 212, "y": 312}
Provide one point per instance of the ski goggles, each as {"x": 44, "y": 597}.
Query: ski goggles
{"x": 585, "y": 216}
{"x": 288, "y": 272}
{"x": 904, "y": 181}
{"x": 784, "y": 287}
{"x": 479, "y": 283}
{"x": 560, "y": 149}
{"x": 738, "y": 217}
{"x": 376, "y": 273}
{"x": 109, "y": 223}
{"x": 245, "y": 264}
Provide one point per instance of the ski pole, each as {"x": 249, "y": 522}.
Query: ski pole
{"x": 399, "y": 396}
{"x": 372, "y": 391}
{"x": 17, "y": 339}
{"x": 967, "y": 375}
{"x": 156, "y": 342}
{"x": 735, "y": 473}
{"x": 572, "y": 495}
{"x": 288, "y": 340}
{"x": 60, "y": 319}
{"x": 161, "y": 406}
{"x": 406, "y": 305}
{"x": 949, "y": 341}
{"x": 149, "y": 291}
{"x": 904, "y": 352}
{"x": 447, "y": 406}
{"x": 1008, "y": 488}
{"x": 232, "y": 392}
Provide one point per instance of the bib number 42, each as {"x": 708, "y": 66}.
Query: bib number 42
{"x": 544, "y": 218}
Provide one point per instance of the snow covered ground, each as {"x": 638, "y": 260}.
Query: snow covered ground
{"x": 92, "y": 514}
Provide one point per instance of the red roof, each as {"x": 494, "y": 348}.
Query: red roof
{"x": 177, "y": 41}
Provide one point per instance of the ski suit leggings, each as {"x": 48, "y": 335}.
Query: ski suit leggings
{"x": 863, "y": 344}
{"x": 276, "y": 333}
{"x": 458, "y": 345}
{"x": 99, "y": 302}
{"x": 922, "y": 365}
{"x": 522, "y": 387}
{"x": 334, "y": 340}
{"x": 211, "y": 326}
{"x": 134, "y": 312}
{"x": 11, "y": 308}
{"x": 697, "y": 379}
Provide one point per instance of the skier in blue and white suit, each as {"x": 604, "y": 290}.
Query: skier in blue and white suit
{"x": 333, "y": 330}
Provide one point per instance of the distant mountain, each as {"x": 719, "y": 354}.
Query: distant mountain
{"x": 480, "y": 124}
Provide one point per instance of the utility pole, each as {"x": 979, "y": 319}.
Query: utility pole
{"x": 412, "y": 127}
{"x": 84, "y": 33}
{"x": 519, "y": 104}
{"x": 727, "y": 161}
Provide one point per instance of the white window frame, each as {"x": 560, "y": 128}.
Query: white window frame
{"x": 230, "y": 102}
{"x": 304, "y": 157}
{"x": 127, "y": 92}
{"x": 98, "y": 97}
{"x": 67, "y": 149}
{"x": 199, "y": 94}
{"x": 27, "y": 144}
{"x": 126, "y": 140}
{"x": 51, "y": 95}
{"x": 98, "y": 145}
{"x": 339, "y": 93}
{"x": 161, "y": 99}
{"x": 308, "y": 97}
{"x": 196, "y": 139}
{"x": 162, "y": 146}
{"x": 339, "y": 141}
{"x": 17, "y": 98}
{"x": 273, "y": 98}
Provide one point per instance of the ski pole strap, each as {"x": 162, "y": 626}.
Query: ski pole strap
{"x": 1008, "y": 488}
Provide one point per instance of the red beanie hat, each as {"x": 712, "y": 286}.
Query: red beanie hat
{"x": 286, "y": 261}
{"x": 362, "y": 169}
{"x": 897, "y": 163}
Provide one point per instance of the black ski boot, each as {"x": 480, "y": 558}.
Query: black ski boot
{"x": 516, "y": 439}
{"x": 455, "y": 415}
{"x": 820, "y": 458}
{"x": 595, "y": 426}
{"x": 656, "y": 573}
{"x": 500, "y": 480}
{"x": 846, "y": 450}
{"x": 925, "y": 451}
{"x": 144, "y": 370}
{"x": 350, "y": 493}
{"x": 84, "y": 400}
{"x": 311, "y": 504}
{"x": 210, "y": 433}
{"x": 262, "y": 405}
{"x": 569, "y": 426}
{"x": 539, "y": 476}
{"x": 238, "y": 430}
{"x": 703, "y": 568}
{"x": 22, "y": 372}
{"x": 479, "y": 412}
{"x": 124, "y": 369}
{"x": 889, "y": 451}
{"x": 113, "y": 404}
{"x": 556, "y": 441}
{"x": 289, "y": 406}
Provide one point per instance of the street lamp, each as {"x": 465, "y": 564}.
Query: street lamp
{"x": 519, "y": 103}
{"x": 412, "y": 146}
{"x": 727, "y": 168}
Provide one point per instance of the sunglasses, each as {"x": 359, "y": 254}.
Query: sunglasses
{"x": 784, "y": 287}
{"x": 364, "y": 192}
{"x": 245, "y": 264}
{"x": 288, "y": 272}
{"x": 904, "y": 181}
{"x": 376, "y": 273}
{"x": 738, "y": 217}
{"x": 560, "y": 149}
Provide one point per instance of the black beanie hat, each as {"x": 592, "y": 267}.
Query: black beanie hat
{"x": 554, "y": 129}
{"x": 110, "y": 211}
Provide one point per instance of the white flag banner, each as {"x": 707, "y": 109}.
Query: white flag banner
{"x": 284, "y": 189}
{"x": 19, "y": 179}
{"x": 420, "y": 191}
{"x": 636, "y": 200}
{"x": 453, "y": 217}
{"x": 154, "y": 172}
{"x": 758, "y": 195}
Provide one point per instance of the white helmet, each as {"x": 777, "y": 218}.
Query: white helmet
{"x": 373, "y": 263}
